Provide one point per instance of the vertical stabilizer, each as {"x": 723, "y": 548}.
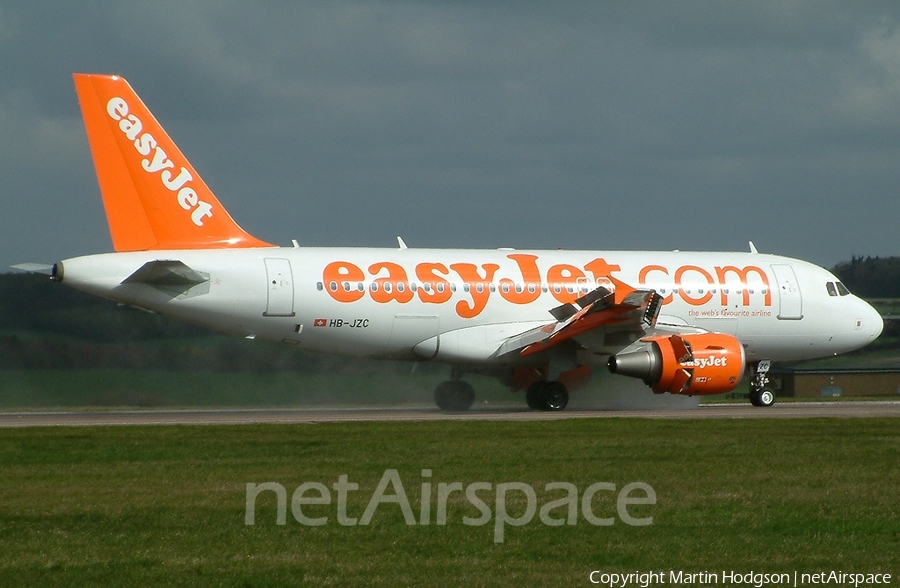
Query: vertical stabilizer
{"x": 154, "y": 199}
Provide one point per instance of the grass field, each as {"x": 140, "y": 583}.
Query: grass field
{"x": 140, "y": 506}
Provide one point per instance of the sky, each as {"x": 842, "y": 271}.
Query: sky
{"x": 577, "y": 125}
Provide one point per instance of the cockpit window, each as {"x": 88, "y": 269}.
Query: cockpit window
{"x": 842, "y": 289}
{"x": 832, "y": 291}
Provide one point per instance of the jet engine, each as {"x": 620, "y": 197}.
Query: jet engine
{"x": 705, "y": 363}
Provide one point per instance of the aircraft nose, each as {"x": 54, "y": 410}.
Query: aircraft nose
{"x": 876, "y": 324}
{"x": 870, "y": 322}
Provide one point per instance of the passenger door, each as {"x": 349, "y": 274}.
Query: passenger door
{"x": 790, "y": 299}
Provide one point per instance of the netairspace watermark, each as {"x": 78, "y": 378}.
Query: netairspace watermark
{"x": 733, "y": 578}
{"x": 560, "y": 511}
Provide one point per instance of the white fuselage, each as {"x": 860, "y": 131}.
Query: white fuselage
{"x": 459, "y": 306}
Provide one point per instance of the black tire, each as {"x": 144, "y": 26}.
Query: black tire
{"x": 762, "y": 397}
{"x": 454, "y": 395}
{"x": 443, "y": 395}
{"x": 533, "y": 396}
{"x": 554, "y": 396}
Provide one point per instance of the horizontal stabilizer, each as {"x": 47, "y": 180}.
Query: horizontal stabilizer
{"x": 35, "y": 268}
{"x": 165, "y": 273}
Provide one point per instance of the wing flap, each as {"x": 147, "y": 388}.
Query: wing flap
{"x": 599, "y": 311}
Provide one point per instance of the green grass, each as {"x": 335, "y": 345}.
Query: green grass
{"x": 137, "y": 506}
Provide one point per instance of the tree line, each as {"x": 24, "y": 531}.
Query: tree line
{"x": 870, "y": 277}
{"x": 45, "y": 325}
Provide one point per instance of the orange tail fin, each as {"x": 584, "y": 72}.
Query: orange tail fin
{"x": 154, "y": 199}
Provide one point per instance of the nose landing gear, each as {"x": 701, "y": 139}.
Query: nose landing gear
{"x": 761, "y": 392}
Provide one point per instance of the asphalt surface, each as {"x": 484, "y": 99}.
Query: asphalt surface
{"x": 785, "y": 410}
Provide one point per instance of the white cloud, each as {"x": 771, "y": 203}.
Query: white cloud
{"x": 873, "y": 92}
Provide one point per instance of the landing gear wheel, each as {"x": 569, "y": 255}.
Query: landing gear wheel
{"x": 764, "y": 397}
{"x": 554, "y": 396}
{"x": 547, "y": 396}
{"x": 533, "y": 395}
{"x": 454, "y": 395}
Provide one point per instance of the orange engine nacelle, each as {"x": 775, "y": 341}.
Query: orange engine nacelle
{"x": 706, "y": 363}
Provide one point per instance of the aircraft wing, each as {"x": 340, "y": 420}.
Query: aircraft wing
{"x": 600, "y": 321}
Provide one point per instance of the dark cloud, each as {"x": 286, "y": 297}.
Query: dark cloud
{"x": 690, "y": 125}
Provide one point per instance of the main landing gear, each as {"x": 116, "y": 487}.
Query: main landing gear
{"x": 454, "y": 395}
{"x": 458, "y": 396}
{"x": 547, "y": 396}
{"x": 761, "y": 392}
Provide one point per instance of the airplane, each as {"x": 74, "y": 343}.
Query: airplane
{"x": 688, "y": 323}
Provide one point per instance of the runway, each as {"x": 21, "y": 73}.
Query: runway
{"x": 785, "y": 410}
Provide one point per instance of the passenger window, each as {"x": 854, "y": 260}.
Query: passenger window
{"x": 842, "y": 289}
{"x": 832, "y": 291}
